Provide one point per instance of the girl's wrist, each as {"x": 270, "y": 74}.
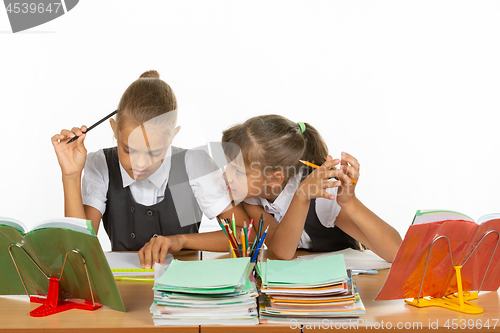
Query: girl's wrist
{"x": 302, "y": 194}
{"x": 301, "y": 198}
{"x": 349, "y": 204}
{"x": 76, "y": 177}
{"x": 181, "y": 239}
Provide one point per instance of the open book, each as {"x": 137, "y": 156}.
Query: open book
{"x": 47, "y": 245}
{"x": 480, "y": 269}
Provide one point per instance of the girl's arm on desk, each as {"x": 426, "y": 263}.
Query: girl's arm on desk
{"x": 157, "y": 248}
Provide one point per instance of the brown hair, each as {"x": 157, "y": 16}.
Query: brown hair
{"x": 146, "y": 98}
{"x": 276, "y": 143}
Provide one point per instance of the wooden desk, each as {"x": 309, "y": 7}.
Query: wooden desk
{"x": 138, "y": 297}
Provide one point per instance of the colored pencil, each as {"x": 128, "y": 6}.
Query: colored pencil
{"x": 246, "y": 235}
{"x": 243, "y": 243}
{"x": 234, "y": 225}
{"x": 259, "y": 247}
{"x": 257, "y": 235}
{"x": 234, "y": 245}
{"x": 222, "y": 225}
{"x": 250, "y": 226}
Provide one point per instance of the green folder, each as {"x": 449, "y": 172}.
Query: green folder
{"x": 47, "y": 244}
{"x": 305, "y": 273}
{"x": 221, "y": 275}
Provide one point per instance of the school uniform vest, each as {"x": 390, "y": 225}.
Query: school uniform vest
{"x": 325, "y": 239}
{"x": 130, "y": 225}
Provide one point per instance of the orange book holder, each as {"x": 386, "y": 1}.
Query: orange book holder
{"x": 458, "y": 301}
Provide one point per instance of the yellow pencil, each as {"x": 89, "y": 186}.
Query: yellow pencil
{"x": 312, "y": 165}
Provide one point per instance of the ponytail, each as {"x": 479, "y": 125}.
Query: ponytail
{"x": 316, "y": 150}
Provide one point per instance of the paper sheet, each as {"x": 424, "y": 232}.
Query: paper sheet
{"x": 129, "y": 260}
{"x": 354, "y": 259}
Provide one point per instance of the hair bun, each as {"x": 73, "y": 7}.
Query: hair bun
{"x": 150, "y": 74}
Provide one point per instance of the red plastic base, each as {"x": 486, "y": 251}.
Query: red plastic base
{"x": 46, "y": 310}
{"x": 52, "y": 305}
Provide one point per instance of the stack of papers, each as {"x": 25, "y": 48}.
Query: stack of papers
{"x": 126, "y": 266}
{"x": 211, "y": 292}
{"x": 357, "y": 261}
{"x": 307, "y": 290}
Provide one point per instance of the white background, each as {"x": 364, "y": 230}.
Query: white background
{"x": 410, "y": 88}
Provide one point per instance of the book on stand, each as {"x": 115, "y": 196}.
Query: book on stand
{"x": 443, "y": 253}
{"x": 56, "y": 262}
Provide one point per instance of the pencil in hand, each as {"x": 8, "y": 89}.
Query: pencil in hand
{"x": 91, "y": 127}
{"x": 312, "y": 165}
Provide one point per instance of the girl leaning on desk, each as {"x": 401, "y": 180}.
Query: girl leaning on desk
{"x": 302, "y": 208}
{"x": 301, "y": 205}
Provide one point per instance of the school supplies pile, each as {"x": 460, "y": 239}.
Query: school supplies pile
{"x": 211, "y": 292}
{"x": 307, "y": 290}
{"x": 244, "y": 248}
{"x": 59, "y": 263}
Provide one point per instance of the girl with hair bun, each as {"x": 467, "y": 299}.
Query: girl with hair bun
{"x": 303, "y": 206}
{"x": 144, "y": 189}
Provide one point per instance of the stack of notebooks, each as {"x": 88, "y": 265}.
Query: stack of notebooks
{"x": 211, "y": 292}
{"x": 307, "y": 291}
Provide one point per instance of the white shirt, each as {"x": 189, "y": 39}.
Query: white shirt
{"x": 327, "y": 210}
{"x": 209, "y": 190}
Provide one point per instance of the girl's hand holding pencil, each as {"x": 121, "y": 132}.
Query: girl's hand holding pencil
{"x": 71, "y": 157}
{"x": 315, "y": 185}
{"x": 349, "y": 178}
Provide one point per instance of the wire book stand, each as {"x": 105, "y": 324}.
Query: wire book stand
{"x": 51, "y": 303}
{"x": 458, "y": 301}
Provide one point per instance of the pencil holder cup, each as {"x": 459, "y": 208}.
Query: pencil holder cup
{"x": 238, "y": 252}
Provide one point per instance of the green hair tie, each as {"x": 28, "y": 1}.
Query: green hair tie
{"x": 302, "y": 126}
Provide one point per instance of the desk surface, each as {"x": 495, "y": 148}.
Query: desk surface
{"x": 138, "y": 297}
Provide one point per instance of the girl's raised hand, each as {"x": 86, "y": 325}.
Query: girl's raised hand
{"x": 71, "y": 157}
{"x": 315, "y": 185}
{"x": 349, "y": 177}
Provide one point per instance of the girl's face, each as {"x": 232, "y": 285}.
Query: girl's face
{"x": 141, "y": 150}
{"x": 245, "y": 181}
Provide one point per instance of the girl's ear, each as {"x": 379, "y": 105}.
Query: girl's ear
{"x": 112, "y": 122}
{"x": 277, "y": 178}
{"x": 176, "y": 130}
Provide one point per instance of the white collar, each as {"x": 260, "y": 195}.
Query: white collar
{"x": 158, "y": 178}
{"x": 282, "y": 202}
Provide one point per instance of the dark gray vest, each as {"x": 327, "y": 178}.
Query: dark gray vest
{"x": 130, "y": 225}
{"x": 325, "y": 239}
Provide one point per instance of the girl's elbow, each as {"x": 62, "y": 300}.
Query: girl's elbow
{"x": 283, "y": 254}
{"x": 392, "y": 255}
